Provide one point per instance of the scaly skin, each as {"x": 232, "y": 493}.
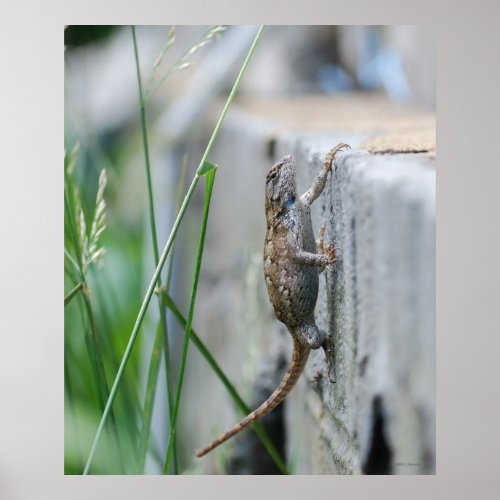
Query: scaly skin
{"x": 291, "y": 268}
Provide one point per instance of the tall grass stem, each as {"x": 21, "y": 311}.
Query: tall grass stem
{"x": 209, "y": 179}
{"x": 163, "y": 319}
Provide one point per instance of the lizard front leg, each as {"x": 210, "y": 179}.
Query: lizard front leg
{"x": 319, "y": 182}
{"x": 321, "y": 260}
{"x": 312, "y": 259}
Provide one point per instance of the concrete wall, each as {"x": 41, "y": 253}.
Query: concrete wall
{"x": 378, "y": 302}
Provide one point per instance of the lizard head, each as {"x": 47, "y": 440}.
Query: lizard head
{"x": 281, "y": 189}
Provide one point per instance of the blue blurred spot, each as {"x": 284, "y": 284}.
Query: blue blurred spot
{"x": 381, "y": 67}
{"x": 332, "y": 79}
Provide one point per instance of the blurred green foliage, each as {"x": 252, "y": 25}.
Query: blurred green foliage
{"x": 97, "y": 324}
{"x": 107, "y": 240}
{"x": 78, "y": 36}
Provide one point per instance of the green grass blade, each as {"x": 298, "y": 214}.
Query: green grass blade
{"x": 149, "y": 398}
{"x": 166, "y": 347}
{"x": 72, "y": 261}
{"x": 74, "y": 239}
{"x": 210, "y": 178}
{"x": 103, "y": 383}
{"x": 163, "y": 257}
{"x": 206, "y": 167}
{"x": 108, "y": 311}
{"x": 243, "y": 407}
{"x": 71, "y": 418}
{"x": 70, "y": 212}
{"x": 144, "y": 133}
{"x": 230, "y": 98}
{"x": 97, "y": 357}
{"x": 137, "y": 325}
{"x": 72, "y": 293}
{"x": 154, "y": 368}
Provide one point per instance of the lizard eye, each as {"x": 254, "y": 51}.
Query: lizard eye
{"x": 273, "y": 175}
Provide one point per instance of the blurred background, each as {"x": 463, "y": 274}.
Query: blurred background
{"x": 187, "y": 73}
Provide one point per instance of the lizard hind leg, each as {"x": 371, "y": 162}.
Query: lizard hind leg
{"x": 311, "y": 336}
{"x": 315, "y": 338}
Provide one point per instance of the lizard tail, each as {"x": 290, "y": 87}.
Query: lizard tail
{"x": 295, "y": 368}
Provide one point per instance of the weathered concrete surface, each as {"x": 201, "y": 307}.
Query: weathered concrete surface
{"x": 378, "y": 302}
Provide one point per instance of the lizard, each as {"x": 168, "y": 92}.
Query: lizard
{"x": 291, "y": 269}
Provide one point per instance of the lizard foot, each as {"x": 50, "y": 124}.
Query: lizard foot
{"x": 331, "y": 155}
{"x": 329, "y": 251}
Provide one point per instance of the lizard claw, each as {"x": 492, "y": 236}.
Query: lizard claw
{"x": 331, "y": 155}
{"x": 329, "y": 251}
